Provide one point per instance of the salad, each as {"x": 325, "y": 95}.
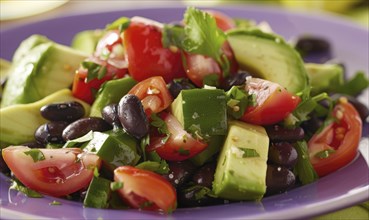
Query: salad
{"x": 206, "y": 111}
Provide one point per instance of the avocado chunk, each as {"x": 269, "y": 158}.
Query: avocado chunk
{"x": 19, "y": 122}
{"x": 45, "y": 69}
{"x": 98, "y": 193}
{"x": 114, "y": 149}
{"x": 269, "y": 57}
{"x": 111, "y": 92}
{"x": 27, "y": 45}
{"x": 242, "y": 163}
{"x": 324, "y": 77}
{"x": 202, "y": 110}
{"x": 4, "y": 70}
{"x": 86, "y": 41}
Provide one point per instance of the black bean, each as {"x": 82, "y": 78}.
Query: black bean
{"x": 312, "y": 125}
{"x": 110, "y": 114}
{"x": 180, "y": 172}
{"x": 177, "y": 85}
{"x": 196, "y": 196}
{"x": 360, "y": 107}
{"x": 132, "y": 116}
{"x": 205, "y": 175}
{"x": 51, "y": 132}
{"x": 235, "y": 80}
{"x": 314, "y": 49}
{"x": 83, "y": 126}
{"x": 279, "y": 133}
{"x": 283, "y": 154}
{"x": 67, "y": 111}
{"x": 279, "y": 179}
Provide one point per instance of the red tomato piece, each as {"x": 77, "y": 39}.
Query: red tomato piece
{"x": 180, "y": 145}
{"x": 145, "y": 190}
{"x": 199, "y": 66}
{"x": 341, "y": 137}
{"x": 146, "y": 55}
{"x": 273, "y": 102}
{"x": 109, "y": 54}
{"x": 224, "y": 22}
{"x": 153, "y": 93}
{"x": 61, "y": 172}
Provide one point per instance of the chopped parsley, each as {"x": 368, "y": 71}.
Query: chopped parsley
{"x": 36, "y": 155}
{"x": 183, "y": 152}
{"x": 17, "y": 185}
{"x": 324, "y": 153}
{"x": 94, "y": 70}
{"x": 114, "y": 186}
{"x": 249, "y": 152}
{"x": 161, "y": 126}
{"x": 121, "y": 24}
{"x": 55, "y": 203}
{"x": 145, "y": 141}
{"x": 160, "y": 167}
{"x": 303, "y": 169}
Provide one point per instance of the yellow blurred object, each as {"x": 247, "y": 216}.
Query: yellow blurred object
{"x": 329, "y": 5}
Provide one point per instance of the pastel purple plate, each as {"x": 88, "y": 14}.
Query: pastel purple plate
{"x": 347, "y": 186}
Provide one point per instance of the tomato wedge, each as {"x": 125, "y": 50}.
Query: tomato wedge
{"x": 337, "y": 144}
{"x": 273, "y": 102}
{"x": 145, "y": 52}
{"x": 180, "y": 145}
{"x": 145, "y": 190}
{"x": 224, "y": 22}
{"x": 55, "y": 172}
{"x": 153, "y": 93}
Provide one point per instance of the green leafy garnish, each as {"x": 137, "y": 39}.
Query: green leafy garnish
{"x": 161, "y": 167}
{"x": 121, "y": 24}
{"x": 173, "y": 35}
{"x": 161, "y": 126}
{"x": 303, "y": 169}
{"x": 355, "y": 85}
{"x": 146, "y": 204}
{"x": 94, "y": 70}
{"x": 145, "y": 141}
{"x": 183, "y": 151}
{"x": 237, "y": 102}
{"x": 324, "y": 153}
{"x": 114, "y": 186}
{"x": 17, "y": 185}
{"x": 249, "y": 152}
{"x": 36, "y": 155}
{"x": 79, "y": 141}
{"x": 55, "y": 203}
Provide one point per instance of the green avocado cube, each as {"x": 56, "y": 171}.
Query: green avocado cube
{"x": 242, "y": 163}
{"x": 111, "y": 92}
{"x": 204, "y": 110}
{"x": 114, "y": 149}
{"x": 86, "y": 41}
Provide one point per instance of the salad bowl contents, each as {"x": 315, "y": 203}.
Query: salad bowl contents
{"x": 158, "y": 117}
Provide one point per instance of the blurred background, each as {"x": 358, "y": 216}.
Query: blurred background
{"x": 17, "y": 12}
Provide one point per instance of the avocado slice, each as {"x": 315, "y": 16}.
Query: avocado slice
{"x": 324, "y": 77}
{"x": 45, "y": 69}
{"x": 269, "y": 57}
{"x": 27, "y": 45}
{"x": 203, "y": 110}
{"x": 19, "y": 122}
{"x": 111, "y": 92}
{"x": 242, "y": 163}
{"x": 86, "y": 41}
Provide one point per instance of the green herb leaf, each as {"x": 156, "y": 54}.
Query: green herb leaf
{"x": 36, "y": 155}
{"x": 146, "y": 204}
{"x": 161, "y": 167}
{"x": 183, "y": 151}
{"x": 161, "y": 126}
{"x": 17, "y": 185}
{"x": 202, "y": 36}
{"x": 324, "y": 153}
{"x": 78, "y": 142}
{"x": 303, "y": 169}
{"x": 201, "y": 192}
{"x": 249, "y": 152}
{"x": 114, "y": 186}
{"x": 94, "y": 70}
{"x": 237, "y": 102}
{"x": 55, "y": 203}
{"x": 308, "y": 106}
{"x": 121, "y": 24}
{"x": 355, "y": 85}
{"x": 144, "y": 142}
{"x": 173, "y": 35}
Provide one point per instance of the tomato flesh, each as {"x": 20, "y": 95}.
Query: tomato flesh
{"x": 145, "y": 190}
{"x": 273, "y": 102}
{"x": 180, "y": 145}
{"x": 62, "y": 172}
{"x": 341, "y": 137}
{"x": 146, "y": 55}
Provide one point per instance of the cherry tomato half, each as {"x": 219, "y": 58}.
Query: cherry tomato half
{"x": 337, "y": 144}
{"x": 273, "y": 102}
{"x": 143, "y": 189}
{"x": 180, "y": 145}
{"x": 153, "y": 93}
{"x": 146, "y": 55}
{"x": 61, "y": 172}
